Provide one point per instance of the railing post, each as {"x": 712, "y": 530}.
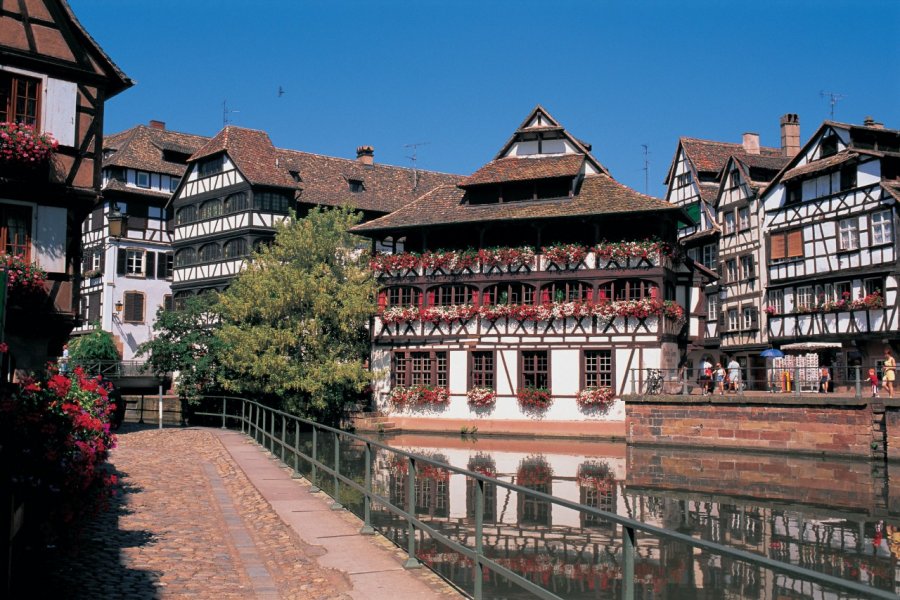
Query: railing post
{"x": 336, "y": 505}
{"x": 224, "y": 410}
{"x": 243, "y": 415}
{"x": 283, "y": 438}
{"x": 272, "y": 431}
{"x": 628, "y": 548}
{"x": 315, "y": 460}
{"x": 296, "y": 473}
{"x": 796, "y": 381}
{"x": 633, "y": 383}
{"x": 479, "y": 535}
{"x": 411, "y": 561}
{"x": 141, "y": 419}
{"x": 858, "y": 381}
{"x": 684, "y": 384}
{"x": 367, "y": 528}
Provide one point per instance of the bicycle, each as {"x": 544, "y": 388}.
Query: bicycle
{"x": 653, "y": 386}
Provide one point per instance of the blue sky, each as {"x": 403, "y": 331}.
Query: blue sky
{"x": 460, "y": 76}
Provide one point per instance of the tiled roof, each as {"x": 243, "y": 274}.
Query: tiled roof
{"x": 765, "y": 162}
{"x": 120, "y": 186}
{"x": 142, "y": 148}
{"x": 709, "y": 156}
{"x": 699, "y": 235}
{"x": 525, "y": 169}
{"x": 709, "y": 192}
{"x": 892, "y": 188}
{"x": 599, "y": 195}
{"x": 118, "y": 79}
{"x": 819, "y": 165}
{"x": 253, "y": 154}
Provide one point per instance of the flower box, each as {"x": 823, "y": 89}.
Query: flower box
{"x": 595, "y": 475}
{"x": 594, "y": 397}
{"x": 534, "y": 398}
{"x": 481, "y": 397}
{"x": 419, "y": 395}
{"x": 21, "y": 275}
{"x": 22, "y": 145}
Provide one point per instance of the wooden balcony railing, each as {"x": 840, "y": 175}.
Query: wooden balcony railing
{"x": 849, "y": 322}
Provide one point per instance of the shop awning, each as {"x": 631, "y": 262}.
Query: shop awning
{"x": 811, "y": 346}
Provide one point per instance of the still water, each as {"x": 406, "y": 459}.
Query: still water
{"x": 835, "y": 516}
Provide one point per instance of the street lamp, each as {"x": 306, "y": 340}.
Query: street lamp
{"x": 723, "y": 293}
{"x": 118, "y": 222}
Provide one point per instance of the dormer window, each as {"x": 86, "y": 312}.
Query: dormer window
{"x": 211, "y": 166}
{"x": 848, "y": 178}
{"x": 828, "y": 146}
{"x": 794, "y": 192}
{"x": 142, "y": 179}
{"x": 356, "y": 186}
{"x": 295, "y": 175}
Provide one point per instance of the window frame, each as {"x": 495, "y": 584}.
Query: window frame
{"x": 438, "y": 370}
{"x": 125, "y": 306}
{"x": 776, "y": 300}
{"x": 851, "y": 244}
{"x": 712, "y": 306}
{"x": 481, "y": 375}
{"x": 604, "y": 368}
{"x": 25, "y": 213}
{"x": 786, "y": 237}
{"x": 884, "y": 228}
{"x": 534, "y": 371}
{"x": 748, "y": 267}
{"x": 733, "y": 319}
{"x": 8, "y": 111}
{"x": 137, "y": 179}
{"x": 131, "y": 262}
{"x": 744, "y": 218}
{"x": 729, "y": 223}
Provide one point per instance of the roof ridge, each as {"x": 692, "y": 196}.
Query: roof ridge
{"x": 353, "y": 161}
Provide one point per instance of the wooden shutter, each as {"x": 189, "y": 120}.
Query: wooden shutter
{"x": 168, "y": 306}
{"x": 120, "y": 262}
{"x": 86, "y": 261}
{"x": 754, "y": 318}
{"x": 779, "y": 246}
{"x": 795, "y": 243}
{"x": 103, "y": 260}
{"x": 134, "y": 307}
{"x": 93, "y": 311}
{"x": 150, "y": 265}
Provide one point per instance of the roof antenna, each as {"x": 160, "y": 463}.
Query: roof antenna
{"x": 280, "y": 91}
{"x": 646, "y": 168}
{"x": 833, "y": 98}
{"x": 225, "y": 112}
{"x": 414, "y": 158}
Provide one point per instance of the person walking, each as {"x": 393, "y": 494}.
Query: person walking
{"x": 890, "y": 372}
{"x": 705, "y": 376}
{"x": 719, "y": 378}
{"x": 734, "y": 375}
{"x": 873, "y": 380}
{"x": 824, "y": 378}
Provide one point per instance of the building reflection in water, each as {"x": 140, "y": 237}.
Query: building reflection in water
{"x": 766, "y": 505}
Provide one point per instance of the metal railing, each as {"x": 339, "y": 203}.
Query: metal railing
{"x": 111, "y": 369}
{"x": 269, "y": 427}
{"x": 846, "y": 382}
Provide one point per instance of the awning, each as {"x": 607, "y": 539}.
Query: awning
{"x": 811, "y": 346}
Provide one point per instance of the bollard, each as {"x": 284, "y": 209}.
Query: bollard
{"x": 224, "y": 411}
{"x": 411, "y": 561}
{"x": 796, "y": 381}
{"x": 367, "y": 528}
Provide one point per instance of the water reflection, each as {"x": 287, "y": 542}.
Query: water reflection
{"x": 827, "y": 515}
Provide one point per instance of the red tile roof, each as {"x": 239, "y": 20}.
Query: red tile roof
{"x": 708, "y": 156}
{"x": 142, "y": 148}
{"x": 819, "y": 165}
{"x": 599, "y": 195}
{"x": 253, "y": 154}
{"x": 525, "y": 169}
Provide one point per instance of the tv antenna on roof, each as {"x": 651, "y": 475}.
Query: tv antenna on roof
{"x": 833, "y": 98}
{"x": 646, "y": 168}
{"x": 414, "y": 158}
{"x": 225, "y": 112}
{"x": 280, "y": 91}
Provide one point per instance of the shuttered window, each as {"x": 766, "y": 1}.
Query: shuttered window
{"x": 134, "y": 307}
{"x": 786, "y": 244}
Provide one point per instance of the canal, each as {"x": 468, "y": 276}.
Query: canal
{"x": 834, "y": 516}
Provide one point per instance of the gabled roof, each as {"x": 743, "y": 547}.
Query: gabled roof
{"x": 819, "y": 165}
{"x": 599, "y": 195}
{"x": 708, "y": 156}
{"x": 143, "y": 148}
{"x": 526, "y": 169}
{"x": 253, "y": 154}
{"x": 892, "y": 188}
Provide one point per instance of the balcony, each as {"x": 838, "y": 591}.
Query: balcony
{"x": 847, "y": 323}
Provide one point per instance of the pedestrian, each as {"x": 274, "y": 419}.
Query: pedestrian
{"x": 64, "y": 361}
{"x": 890, "y": 368}
{"x": 704, "y": 376}
{"x": 873, "y": 379}
{"x": 734, "y": 374}
{"x": 824, "y": 378}
{"x": 719, "y": 378}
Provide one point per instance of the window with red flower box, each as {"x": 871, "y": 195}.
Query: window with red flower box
{"x": 419, "y": 368}
{"x": 20, "y": 99}
{"x": 450, "y": 295}
{"x": 508, "y": 293}
{"x": 481, "y": 372}
{"x": 15, "y": 230}
{"x": 535, "y": 369}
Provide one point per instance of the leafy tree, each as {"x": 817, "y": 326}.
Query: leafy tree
{"x": 95, "y": 346}
{"x": 295, "y": 323}
{"x": 184, "y": 341}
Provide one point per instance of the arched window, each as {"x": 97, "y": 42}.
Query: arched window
{"x": 403, "y": 295}
{"x": 187, "y": 214}
{"x": 627, "y": 289}
{"x": 508, "y": 293}
{"x": 185, "y": 257}
{"x": 211, "y": 209}
{"x": 236, "y": 248}
{"x": 271, "y": 202}
{"x": 566, "y": 291}
{"x": 450, "y": 294}
{"x": 210, "y": 252}
{"x": 237, "y": 202}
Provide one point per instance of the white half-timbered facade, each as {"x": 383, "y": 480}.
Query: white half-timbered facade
{"x": 520, "y": 278}
{"x": 831, "y": 243}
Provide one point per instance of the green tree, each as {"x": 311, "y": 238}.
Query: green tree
{"x": 184, "y": 341}
{"x": 95, "y": 346}
{"x": 295, "y": 322}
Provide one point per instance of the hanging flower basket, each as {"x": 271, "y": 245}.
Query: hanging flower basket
{"x": 481, "y": 397}
{"x": 594, "y": 397}
{"x": 21, "y": 275}
{"x": 534, "y": 398}
{"x": 22, "y": 145}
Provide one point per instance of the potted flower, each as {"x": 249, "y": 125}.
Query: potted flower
{"x": 595, "y": 397}
{"x": 481, "y": 397}
{"x": 22, "y": 145}
{"x": 22, "y": 275}
{"x": 771, "y": 310}
{"x": 565, "y": 256}
{"x": 534, "y": 397}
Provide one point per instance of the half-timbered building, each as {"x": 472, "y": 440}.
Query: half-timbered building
{"x": 831, "y": 244}
{"x": 537, "y": 286}
{"x": 125, "y": 279}
{"x": 54, "y": 80}
{"x": 238, "y": 186}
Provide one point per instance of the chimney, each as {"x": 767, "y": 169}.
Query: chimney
{"x": 790, "y": 135}
{"x": 365, "y": 155}
{"x": 751, "y": 143}
{"x": 154, "y": 124}
{"x": 870, "y": 122}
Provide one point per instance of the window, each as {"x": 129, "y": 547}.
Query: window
{"x": 849, "y": 234}
{"x": 731, "y": 270}
{"x": 481, "y": 373}
{"x": 566, "y": 291}
{"x": 597, "y": 367}
{"x": 236, "y": 248}
{"x": 744, "y": 218}
{"x": 882, "y": 228}
{"x": 748, "y": 267}
{"x": 508, "y": 293}
{"x": 535, "y": 369}
{"x": 694, "y": 254}
{"x": 142, "y": 179}
{"x": 728, "y": 223}
{"x": 403, "y": 296}
{"x": 130, "y": 262}
{"x": 848, "y": 178}
{"x": 20, "y": 99}
{"x": 211, "y": 166}
{"x": 449, "y": 295}
{"x": 134, "y": 307}
{"x": 710, "y": 255}
{"x": 168, "y": 304}
{"x": 185, "y": 257}
{"x": 828, "y": 146}
{"x": 712, "y": 307}
{"x": 420, "y": 368}
{"x": 211, "y": 209}
{"x": 356, "y": 186}
{"x": 843, "y": 290}
{"x": 96, "y": 257}
{"x": 210, "y": 252}
{"x": 270, "y": 202}
{"x": 873, "y": 285}
{"x": 733, "y": 319}
{"x": 776, "y": 301}
{"x": 173, "y": 183}
{"x": 805, "y": 298}
{"x": 786, "y": 244}
{"x": 627, "y": 289}
{"x": 751, "y": 321}
{"x": 794, "y": 192}
{"x": 188, "y": 214}
{"x": 237, "y": 202}
{"x": 15, "y": 230}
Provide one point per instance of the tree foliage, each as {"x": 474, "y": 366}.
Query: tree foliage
{"x": 94, "y": 346}
{"x": 184, "y": 341}
{"x": 295, "y": 323}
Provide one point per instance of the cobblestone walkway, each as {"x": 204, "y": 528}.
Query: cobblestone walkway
{"x": 189, "y": 525}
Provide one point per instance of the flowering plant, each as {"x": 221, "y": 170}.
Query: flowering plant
{"x": 419, "y": 395}
{"x": 533, "y": 471}
{"x": 646, "y": 248}
{"x": 481, "y": 397}
{"x": 595, "y": 397}
{"x": 399, "y": 314}
{"x": 512, "y": 258}
{"x": 385, "y": 263}
{"x": 565, "y": 255}
{"x": 92, "y": 273}
{"x": 21, "y": 144}
{"x": 640, "y": 309}
{"x": 595, "y": 475}
{"x": 873, "y": 300}
{"x": 448, "y": 314}
{"x": 534, "y": 397}
{"x": 771, "y": 310}
{"x": 21, "y": 274}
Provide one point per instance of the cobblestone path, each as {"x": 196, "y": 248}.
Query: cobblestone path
{"x": 189, "y": 524}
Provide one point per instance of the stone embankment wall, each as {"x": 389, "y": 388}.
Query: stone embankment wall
{"x": 826, "y": 425}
